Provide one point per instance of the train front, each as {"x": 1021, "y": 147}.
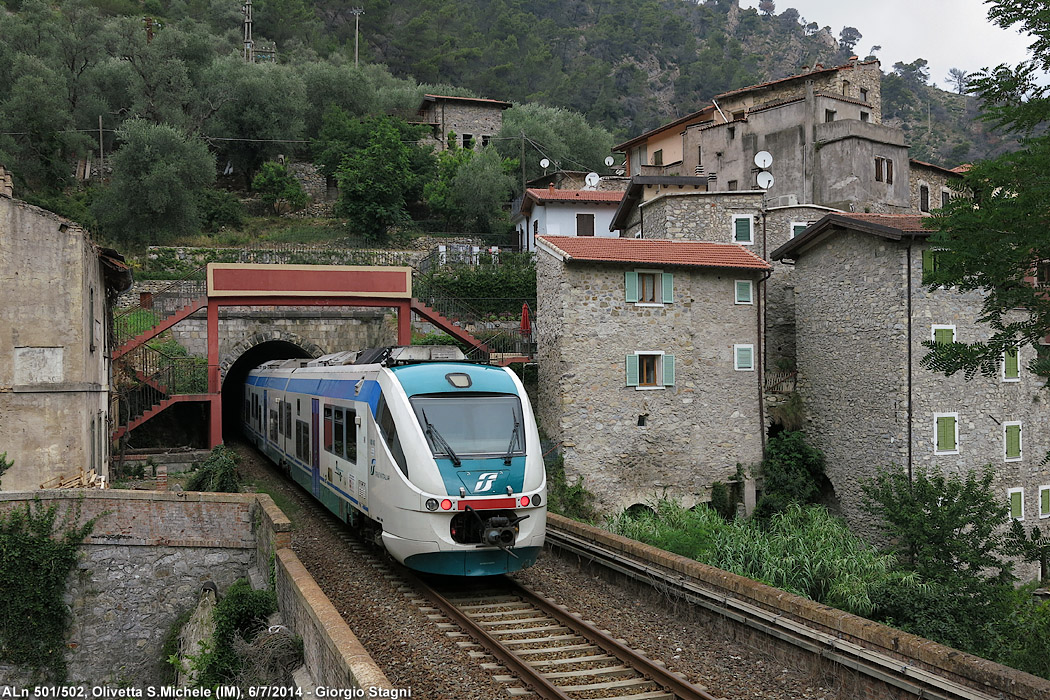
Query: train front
{"x": 474, "y": 456}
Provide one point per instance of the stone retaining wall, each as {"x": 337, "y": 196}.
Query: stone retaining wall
{"x": 986, "y": 676}
{"x": 145, "y": 562}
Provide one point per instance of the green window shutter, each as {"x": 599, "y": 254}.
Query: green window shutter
{"x": 1012, "y": 369}
{"x": 946, "y": 433}
{"x": 743, "y": 292}
{"x": 1016, "y": 504}
{"x": 1013, "y": 441}
{"x": 743, "y": 230}
{"x": 1044, "y": 502}
{"x": 668, "y": 370}
{"x": 632, "y": 370}
{"x": 744, "y": 358}
{"x": 798, "y": 228}
{"x": 928, "y": 265}
{"x": 630, "y": 285}
{"x": 943, "y": 335}
{"x": 668, "y": 287}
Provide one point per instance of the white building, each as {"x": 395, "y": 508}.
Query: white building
{"x": 551, "y": 212}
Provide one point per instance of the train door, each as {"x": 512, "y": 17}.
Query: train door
{"x": 315, "y": 453}
{"x": 359, "y": 465}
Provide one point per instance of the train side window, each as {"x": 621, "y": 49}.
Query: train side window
{"x": 288, "y": 418}
{"x": 389, "y": 431}
{"x": 351, "y": 434}
{"x": 302, "y": 441}
{"x": 338, "y": 432}
{"x": 327, "y": 428}
{"x": 273, "y": 425}
{"x": 280, "y": 423}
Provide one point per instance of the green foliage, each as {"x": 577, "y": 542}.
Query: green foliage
{"x": 721, "y": 501}
{"x": 469, "y": 188}
{"x": 948, "y": 529}
{"x": 219, "y": 209}
{"x": 279, "y": 188}
{"x": 794, "y": 474}
{"x": 374, "y": 181}
{"x": 242, "y": 613}
{"x": 158, "y": 176}
{"x": 74, "y": 205}
{"x": 571, "y": 500}
{"x": 217, "y": 473}
{"x": 803, "y": 550}
{"x": 4, "y": 465}
{"x": 37, "y": 553}
{"x": 497, "y": 288}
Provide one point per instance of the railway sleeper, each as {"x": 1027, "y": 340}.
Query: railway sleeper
{"x": 542, "y": 640}
{"x": 552, "y": 627}
{"x": 596, "y": 658}
{"x": 636, "y": 682}
{"x": 608, "y": 672}
{"x": 514, "y": 621}
{"x": 582, "y": 648}
{"x": 501, "y": 610}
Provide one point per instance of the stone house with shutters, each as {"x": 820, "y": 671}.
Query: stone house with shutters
{"x": 471, "y": 119}
{"x": 862, "y": 314}
{"x": 650, "y": 363}
{"x": 561, "y": 212}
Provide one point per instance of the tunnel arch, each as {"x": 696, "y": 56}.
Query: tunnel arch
{"x": 246, "y": 356}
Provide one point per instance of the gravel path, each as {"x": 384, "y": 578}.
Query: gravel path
{"x": 414, "y": 654}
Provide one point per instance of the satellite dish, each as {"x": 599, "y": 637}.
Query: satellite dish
{"x": 544, "y": 162}
{"x": 609, "y": 161}
{"x": 765, "y": 180}
{"x": 763, "y": 159}
{"x": 592, "y": 179}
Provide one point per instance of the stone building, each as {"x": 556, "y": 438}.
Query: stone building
{"x": 649, "y": 358}
{"x": 554, "y": 212}
{"x": 54, "y": 380}
{"x": 862, "y": 315}
{"x": 930, "y": 185}
{"x": 469, "y": 118}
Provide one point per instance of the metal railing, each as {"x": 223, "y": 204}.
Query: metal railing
{"x": 502, "y": 343}
{"x": 150, "y": 377}
{"x": 154, "y": 307}
{"x": 780, "y": 381}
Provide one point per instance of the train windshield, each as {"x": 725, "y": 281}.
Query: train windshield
{"x": 460, "y": 425}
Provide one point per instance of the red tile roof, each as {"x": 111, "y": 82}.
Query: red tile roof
{"x": 946, "y": 171}
{"x": 481, "y": 100}
{"x": 655, "y": 252}
{"x": 549, "y": 194}
{"x": 901, "y": 222}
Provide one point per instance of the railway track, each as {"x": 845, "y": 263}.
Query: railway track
{"x": 539, "y": 648}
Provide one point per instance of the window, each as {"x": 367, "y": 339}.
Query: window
{"x": 883, "y": 170}
{"x": 889, "y": 171}
{"x": 536, "y": 227}
{"x": 829, "y": 115}
{"x": 743, "y": 292}
{"x": 929, "y": 265}
{"x": 1044, "y": 501}
{"x": 388, "y": 429}
{"x": 865, "y": 116}
{"x": 1042, "y": 274}
{"x": 1012, "y": 441}
{"x": 287, "y": 419}
{"x": 743, "y": 229}
{"x": 924, "y": 198}
{"x": 1016, "y": 503}
{"x": 485, "y": 140}
{"x": 585, "y": 224}
{"x": 648, "y": 287}
{"x": 1012, "y": 365}
{"x": 468, "y": 141}
{"x": 472, "y": 426}
{"x": 879, "y": 168}
{"x": 91, "y": 321}
{"x": 798, "y": 227}
{"x": 864, "y": 94}
{"x": 946, "y": 197}
{"x": 744, "y": 358}
{"x": 943, "y": 334}
{"x": 733, "y": 186}
{"x": 946, "y": 433}
{"x": 699, "y": 156}
{"x": 650, "y": 369}
{"x": 302, "y": 441}
{"x": 273, "y": 425}
{"x": 658, "y": 156}
{"x": 845, "y": 87}
{"x": 732, "y": 133}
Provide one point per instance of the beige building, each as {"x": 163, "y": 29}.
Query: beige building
{"x": 649, "y": 358}
{"x": 55, "y": 373}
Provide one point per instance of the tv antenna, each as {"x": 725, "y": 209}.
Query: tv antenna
{"x": 592, "y": 180}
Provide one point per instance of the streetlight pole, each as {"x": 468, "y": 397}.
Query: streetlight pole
{"x": 356, "y": 12}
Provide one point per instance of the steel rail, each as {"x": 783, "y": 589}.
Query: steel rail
{"x": 914, "y": 680}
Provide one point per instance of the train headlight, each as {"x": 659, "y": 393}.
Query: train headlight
{"x": 432, "y": 504}
{"x": 536, "y": 500}
{"x": 446, "y": 504}
{"x": 524, "y": 501}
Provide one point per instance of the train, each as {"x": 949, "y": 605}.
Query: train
{"x": 437, "y": 457}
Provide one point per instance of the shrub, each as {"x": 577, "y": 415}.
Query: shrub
{"x": 571, "y": 500}
{"x": 219, "y": 209}
{"x": 794, "y": 474}
{"x": 241, "y": 613}
{"x": 217, "y": 473}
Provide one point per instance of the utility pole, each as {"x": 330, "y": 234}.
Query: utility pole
{"x": 356, "y": 12}
{"x": 522, "y": 162}
{"x": 249, "y": 53}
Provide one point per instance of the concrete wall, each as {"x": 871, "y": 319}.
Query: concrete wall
{"x": 908, "y": 654}
{"x": 53, "y": 367}
{"x": 695, "y": 431}
{"x": 145, "y": 562}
